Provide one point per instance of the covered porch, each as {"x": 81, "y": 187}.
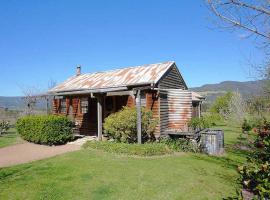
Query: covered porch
{"x": 88, "y": 111}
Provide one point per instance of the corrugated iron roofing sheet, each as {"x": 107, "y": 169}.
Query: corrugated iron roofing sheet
{"x": 197, "y": 97}
{"x": 145, "y": 74}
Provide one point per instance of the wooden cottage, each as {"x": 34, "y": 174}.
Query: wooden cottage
{"x": 89, "y": 98}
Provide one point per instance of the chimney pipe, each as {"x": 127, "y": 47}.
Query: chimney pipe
{"x": 78, "y": 70}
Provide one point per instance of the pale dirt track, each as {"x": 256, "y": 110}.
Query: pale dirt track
{"x": 27, "y": 152}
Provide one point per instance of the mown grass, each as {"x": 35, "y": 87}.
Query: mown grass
{"x": 9, "y": 138}
{"x": 94, "y": 174}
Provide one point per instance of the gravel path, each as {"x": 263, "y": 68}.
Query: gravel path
{"x": 27, "y": 152}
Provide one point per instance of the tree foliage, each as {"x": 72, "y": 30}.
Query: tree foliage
{"x": 222, "y": 105}
{"x": 237, "y": 108}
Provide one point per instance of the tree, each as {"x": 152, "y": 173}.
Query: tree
{"x": 51, "y": 84}
{"x": 237, "y": 108}
{"x": 250, "y": 16}
{"x": 222, "y": 105}
{"x": 30, "y": 98}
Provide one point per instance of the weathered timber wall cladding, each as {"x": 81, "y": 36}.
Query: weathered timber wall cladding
{"x": 172, "y": 80}
{"x": 162, "y": 90}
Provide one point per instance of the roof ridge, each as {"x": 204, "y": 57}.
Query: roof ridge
{"x": 131, "y": 67}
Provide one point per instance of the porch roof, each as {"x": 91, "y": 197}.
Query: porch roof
{"x": 114, "y": 79}
{"x": 197, "y": 97}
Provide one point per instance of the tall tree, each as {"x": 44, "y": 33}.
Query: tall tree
{"x": 252, "y": 17}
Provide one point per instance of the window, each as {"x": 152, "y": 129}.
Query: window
{"x": 70, "y": 111}
{"x": 163, "y": 96}
{"x": 84, "y": 105}
{"x": 143, "y": 99}
{"x": 63, "y": 106}
{"x": 109, "y": 103}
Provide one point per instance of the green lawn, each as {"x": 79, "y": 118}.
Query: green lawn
{"x": 9, "y": 138}
{"x": 92, "y": 174}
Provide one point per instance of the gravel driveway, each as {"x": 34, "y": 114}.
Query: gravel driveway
{"x": 27, "y": 152}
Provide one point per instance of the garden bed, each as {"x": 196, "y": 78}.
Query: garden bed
{"x": 147, "y": 149}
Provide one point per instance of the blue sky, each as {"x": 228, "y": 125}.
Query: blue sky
{"x": 45, "y": 40}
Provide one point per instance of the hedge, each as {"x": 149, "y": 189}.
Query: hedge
{"x": 48, "y": 130}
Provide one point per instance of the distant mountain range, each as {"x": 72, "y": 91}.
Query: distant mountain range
{"x": 210, "y": 91}
{"x": 247, "y": 89}
{"x": 17, "y": 103}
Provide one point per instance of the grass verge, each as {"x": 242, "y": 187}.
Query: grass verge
{"x": 9, "y": 138}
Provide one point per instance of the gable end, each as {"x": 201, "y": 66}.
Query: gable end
{"x": 172, "y": 79}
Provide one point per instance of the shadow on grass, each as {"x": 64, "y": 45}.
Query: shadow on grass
{"x": 9, "y": 135}
{"x": 223, "y": 161}
{"x": 229, "y": 160}
{"x": 14, "y": 171}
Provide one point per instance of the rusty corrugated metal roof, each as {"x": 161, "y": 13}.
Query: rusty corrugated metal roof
{"x": 197, "y": 97}
{"x": 131, "y": 76}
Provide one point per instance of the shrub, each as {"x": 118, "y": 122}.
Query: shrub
{"x": 48, "y": 130}
{"x": 122, "y": 126}
{"x": 147, "y": 149}
{"x": 4, "y": 126}
{"x": 246, "y": 126}
{"x": 197, "y": 123}
{"x": 257, "y": 122}
{"x": 255, "y": 175}
{"x": 181, "y": 144}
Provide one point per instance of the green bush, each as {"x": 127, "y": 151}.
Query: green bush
{"x": 48, "y": 130}
{"x": 246, "y": 126}
{"x": 147, "y": 149}
{"x": 122, "y": 126}
{"x": 257, "y": 122}
{"x": 197, "y": 123}
{"x": 181, "y": 144}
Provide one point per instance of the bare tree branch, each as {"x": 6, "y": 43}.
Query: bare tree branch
{"x": 253, "y": 7}
{"x": 232, "y": 19}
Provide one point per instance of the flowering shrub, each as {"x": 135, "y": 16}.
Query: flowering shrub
{"x": 255, "y": 175}
{"x": 4, "y": 126}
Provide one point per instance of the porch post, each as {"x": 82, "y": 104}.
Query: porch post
{"x": 199, "y": 109}
{"x": 139, "y": 117}
{"x": 47, "y": 105}
{"x": 99, "y": 116}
